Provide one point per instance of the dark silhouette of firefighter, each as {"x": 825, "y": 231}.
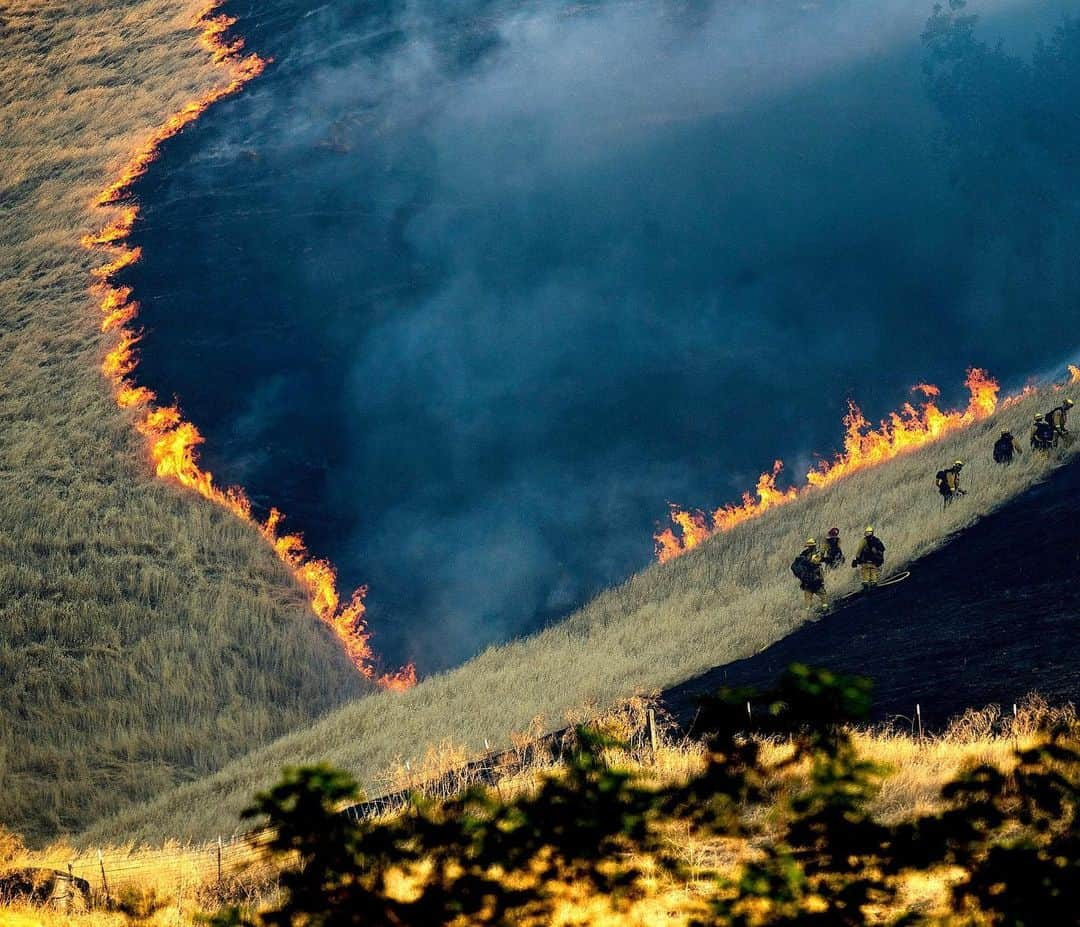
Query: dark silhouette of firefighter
{"x": 1042, "y": 435}
{"x": 948, "y": 483}
{"x": 832, "y": 556}
{"x": 1058, "y": 419}
{"x": 1006, "y": 448}
{"x": 811, "y": 577}
{"x": 869, "y": 559}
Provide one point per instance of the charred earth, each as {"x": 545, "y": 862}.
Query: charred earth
{"x": 988, "y": 618}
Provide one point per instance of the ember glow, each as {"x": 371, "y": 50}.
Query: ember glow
{"x": 172, "y": 441}
{"x": 912, "y": 427}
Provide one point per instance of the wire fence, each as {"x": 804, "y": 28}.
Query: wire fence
{"x": 246, "y": 862}
{"x": 249, "y": 854}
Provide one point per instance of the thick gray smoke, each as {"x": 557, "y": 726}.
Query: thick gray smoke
{"x": 548, "y": 266}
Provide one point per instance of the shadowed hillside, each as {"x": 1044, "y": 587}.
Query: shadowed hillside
{"x": 145, "y": 638}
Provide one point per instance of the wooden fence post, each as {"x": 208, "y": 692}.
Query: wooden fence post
{"x": 918, "y": 720}
{"x": 219, "y": 861}
{"x": 104, "y": 881}
{"x": 650, "y": 718}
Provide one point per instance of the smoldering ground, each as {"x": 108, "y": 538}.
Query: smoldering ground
{"x": 470, "y": 291}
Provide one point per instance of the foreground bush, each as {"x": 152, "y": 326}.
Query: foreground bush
{"x": 590, "y": 841}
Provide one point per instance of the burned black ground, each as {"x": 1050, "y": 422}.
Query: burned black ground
{"x": 990, "y": 617}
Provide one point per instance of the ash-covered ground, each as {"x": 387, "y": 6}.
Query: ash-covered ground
{"x": 471, "y": 290}
{"x": 989, "y": 619}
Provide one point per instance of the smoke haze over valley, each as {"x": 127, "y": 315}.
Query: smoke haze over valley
{"x": 471, "y": 291}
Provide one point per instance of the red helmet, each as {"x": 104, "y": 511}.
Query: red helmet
{"x": 834, "y": 532}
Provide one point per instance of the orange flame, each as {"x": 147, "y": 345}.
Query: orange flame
{"x": 124, "y": 258}
{"x": 767, "y": 494}
{"x": 115, "y": 231}
{"x": 117, "y": 307}
{"x": 1009, "y": 401}
{"x": 172, "y": 441}
{"x": 904, "y": 431}
{"x": 1074, "y": 375}
{"x": 693, "y": 529}
{"x": 864, "y": 447}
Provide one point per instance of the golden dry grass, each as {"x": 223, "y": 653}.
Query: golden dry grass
{"x": 145, "y": 638}
{"x": 185, "y": 877}
{"x": 725, "y": 600}
{"x": 148, "y": 637}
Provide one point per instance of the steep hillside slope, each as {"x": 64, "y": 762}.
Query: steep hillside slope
{"x": 722, "y": 601}
{"x": 987, "y": 619}
{"x": 145, "y": 638}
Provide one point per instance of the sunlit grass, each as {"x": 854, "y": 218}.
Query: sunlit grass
{"x": 185, "y": 879}
{"x": 151, "y": 637}
{"x": 145, "y": 639}
{"x": 725, "y": 600}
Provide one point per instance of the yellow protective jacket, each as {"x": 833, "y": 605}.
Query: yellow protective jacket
{"x": 1059, "y": 420}
{"x": 871, "y": 550}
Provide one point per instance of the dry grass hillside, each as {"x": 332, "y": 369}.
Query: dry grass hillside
{"x": 725, "y": 600}
{"x": 145, "y": 637}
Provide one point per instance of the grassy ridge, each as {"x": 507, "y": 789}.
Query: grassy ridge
{"x": 145, "y": 638}
{"x": 725, "y": 600}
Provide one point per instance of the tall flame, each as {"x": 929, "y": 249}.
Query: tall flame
{"x": 1074, "y": 375}
{"x": 864, "y": 447}
{"x": 694, "y": 526}
{"x": 172, "y": 441}
{"x": 906, "y": 430}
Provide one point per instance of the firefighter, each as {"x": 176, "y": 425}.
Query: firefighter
{"x": 833, "y": 556}
{"x": 869, "y": 559}
{"x": 807, "y": 569}
{"x": 948, "y": 482}
{"x": 1005, "y": 448}
{"x": 1042, "y": 435}
{"x": 1058, "y": 419}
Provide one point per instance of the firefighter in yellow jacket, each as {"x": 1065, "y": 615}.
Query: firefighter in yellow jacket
{"x": 1058, "y": 419}
{"x": 869, "y": 559}
{"x": 811, "y": 577}
{"x": 948, "y": 482}
{"x": 1042, "y": 435}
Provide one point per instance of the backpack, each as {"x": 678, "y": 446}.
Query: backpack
{"x": 800, "y": 568}
{"x": 1003, "y": 450}
{"x": 942, "y": 480}
{"x": 873, "y": 551}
